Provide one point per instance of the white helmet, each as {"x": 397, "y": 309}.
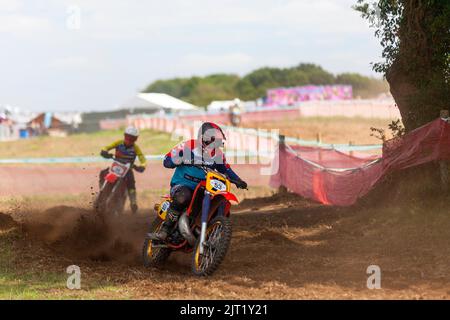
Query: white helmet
{"x": 132, "y": 131}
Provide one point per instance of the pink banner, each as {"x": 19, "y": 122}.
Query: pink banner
{"x": 293, "y": 96}
{"x": 334, "y": 178}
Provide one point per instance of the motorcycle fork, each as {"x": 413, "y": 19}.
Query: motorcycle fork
{"x": 103, "y": 185}
{"x": 221, "y": 210}
{"x": 113, "y": 190}
{"x": 205, "y": 210}
{"x": 116, "y": 185}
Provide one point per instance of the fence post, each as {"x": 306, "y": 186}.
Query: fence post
{"x": 350, "y": 144}
{"x": 443, "y": 165}
{"x": 319, "y": 141}
{"x": 281, "y": 146}
{"x": 319, "y": 138}
{"x": 258, "y": 141}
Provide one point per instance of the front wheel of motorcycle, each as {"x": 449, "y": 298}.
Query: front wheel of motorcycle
{"x": 217, "y": 241}
{"x": 100, "y": 202}
{"x": 152, "y": 255}
{"x": 118, "y": 204}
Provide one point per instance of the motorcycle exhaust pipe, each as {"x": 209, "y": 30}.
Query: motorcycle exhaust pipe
{"x": 185, "y": 230}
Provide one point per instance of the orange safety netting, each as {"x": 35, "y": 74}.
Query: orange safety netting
{"x": 335, "y": 178}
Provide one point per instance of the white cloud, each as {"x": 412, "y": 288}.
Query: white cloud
{"x": 202, "y": 63}
{"x": 22, "y": 24}
{"x": 127, "y": 44}
{"x": 140, "y": 19}
{"x": 318, "y": 16}
{"x": 10, "y": 5}
{"x": 71, "y": 62}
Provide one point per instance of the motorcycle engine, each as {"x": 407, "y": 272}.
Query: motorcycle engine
{"x": 176, "y": 237}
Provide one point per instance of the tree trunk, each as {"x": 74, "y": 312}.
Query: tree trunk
{"x": 409, "y": 99}
{"x": 418, "y": 85}
{"x": 402, "y": 89}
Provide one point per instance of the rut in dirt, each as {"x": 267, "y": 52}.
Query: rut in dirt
{"x": 79, "y": 233}
{"x": 6, "y": 222}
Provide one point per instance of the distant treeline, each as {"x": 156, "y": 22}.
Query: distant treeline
{"x": 202, "y": 90}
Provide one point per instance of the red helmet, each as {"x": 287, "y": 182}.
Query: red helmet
{"x": 210, "y": 134}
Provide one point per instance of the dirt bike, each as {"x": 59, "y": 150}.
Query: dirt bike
{"x": 203, "y": 229}
{"x": 112, "y": 195}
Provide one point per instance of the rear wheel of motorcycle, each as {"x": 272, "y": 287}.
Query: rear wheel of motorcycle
{"x": 218, "y": 238}
{"x": 153, "y": 257}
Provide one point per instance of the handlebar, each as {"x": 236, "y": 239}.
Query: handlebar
{"x": 111, "y": 156}
{"x": 203, "y": 167}
{"x": 200, "y": 166}
{"x": 206, "y": 169}
{"x": 138, "y": 168}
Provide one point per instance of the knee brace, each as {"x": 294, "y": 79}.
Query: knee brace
{"x": 181, "y": 197}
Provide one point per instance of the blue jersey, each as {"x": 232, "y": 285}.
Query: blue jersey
{"x": 190, "y": 176}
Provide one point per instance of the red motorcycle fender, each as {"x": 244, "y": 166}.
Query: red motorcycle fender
{"x": 111, "y": 177}
{"x": 229, "y": 196}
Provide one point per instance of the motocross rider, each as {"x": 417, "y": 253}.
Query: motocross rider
{"x": 203, "y": 151}
{"x": 126, "y": 151}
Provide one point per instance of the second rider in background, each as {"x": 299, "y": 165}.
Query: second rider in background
{"x": 126, "y": 151}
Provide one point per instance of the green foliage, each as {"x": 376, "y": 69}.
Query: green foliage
{"x": 256, "y": 83}
{"x": 202, "y": 90}
{"x": 412, "y": 25}
{"x": 396, "y": 127}
{"x": 385, "y": 16}
{"x": 198, "y": 90}
{"x": 415, "y": 36}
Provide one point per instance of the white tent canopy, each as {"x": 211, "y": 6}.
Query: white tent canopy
{"x": 157, "y": 101}
{"x": 17, "y": 114}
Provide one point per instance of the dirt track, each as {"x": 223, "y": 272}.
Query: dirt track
{"x": 66, "y": 179}
{"x": 283, "y": 247}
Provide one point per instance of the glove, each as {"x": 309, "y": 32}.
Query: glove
{"x": 106, "y": 154}
{"x": 139, "y": 168}
{"x": 241, "y": 184}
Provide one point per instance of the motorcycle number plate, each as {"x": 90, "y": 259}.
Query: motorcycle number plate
{"x": 165, "y": 206}
{"x": 118, "y": 169}
{"x": 216, "y": 183}
{"x": 163, "y": 209}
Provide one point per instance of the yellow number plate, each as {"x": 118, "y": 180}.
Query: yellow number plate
{"x": 216, "y": 183}
{"x": 162, "y": 208}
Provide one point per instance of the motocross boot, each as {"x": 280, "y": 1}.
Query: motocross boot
{"x": 133, "y": 201}
{"x": 171, "y": 219}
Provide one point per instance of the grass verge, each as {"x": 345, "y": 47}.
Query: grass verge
{"x": 151, "y": 142}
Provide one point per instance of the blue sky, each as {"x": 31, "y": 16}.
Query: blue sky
{"x": 52, "y": 58}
